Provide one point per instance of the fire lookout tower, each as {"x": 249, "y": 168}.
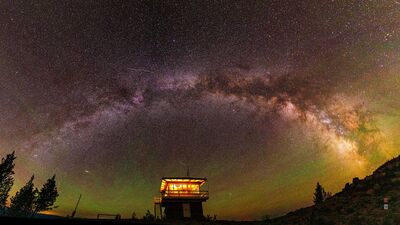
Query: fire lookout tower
{"x": 182, "y": 197}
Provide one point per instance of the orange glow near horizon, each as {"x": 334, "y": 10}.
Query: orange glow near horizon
{"x": 50, "y": 212}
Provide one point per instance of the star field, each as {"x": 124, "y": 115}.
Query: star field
{"x": 264, "y": 98}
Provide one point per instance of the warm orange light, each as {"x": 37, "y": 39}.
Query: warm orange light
{"x": 50, "y": 212}
{"x": 183, "y": 187}
{"x": 181, "y": 184}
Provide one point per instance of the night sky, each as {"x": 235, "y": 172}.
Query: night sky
{"x": 264, "y": 98}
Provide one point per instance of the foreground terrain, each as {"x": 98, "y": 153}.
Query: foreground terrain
{"x": 360, "y": 202}
{"x": 60, "y": 221}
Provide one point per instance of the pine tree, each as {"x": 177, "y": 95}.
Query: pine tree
{"x": 47, "y": 196}
{"x": 22, "y": 204}
{"x": 148, "y": 216}
{"x": 319, "y": 194}
{"x": 6, "y": 178}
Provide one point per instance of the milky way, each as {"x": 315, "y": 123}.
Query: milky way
{"x": 263, "y": 99}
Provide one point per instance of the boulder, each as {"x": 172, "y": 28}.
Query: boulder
{"x": 395, "y": 180}
{"x": 377, "y": 187}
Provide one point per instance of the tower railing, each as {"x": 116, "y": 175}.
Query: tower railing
{"x": 185, "y": 194}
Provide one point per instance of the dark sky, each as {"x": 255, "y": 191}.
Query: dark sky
{"x": 260, "y": 97}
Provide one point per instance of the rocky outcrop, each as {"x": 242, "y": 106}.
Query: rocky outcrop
{"x": 360, "y": 202}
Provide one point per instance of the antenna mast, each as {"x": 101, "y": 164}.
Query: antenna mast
{"x": 76, "y": 206}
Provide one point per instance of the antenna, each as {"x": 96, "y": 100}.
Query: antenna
{"x": 76, "y": 206}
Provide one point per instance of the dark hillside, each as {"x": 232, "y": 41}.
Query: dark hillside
{"x": 359, "y": 202}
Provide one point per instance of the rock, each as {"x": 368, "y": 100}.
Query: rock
{"x": 379, "y": 175}
{"x": 395, "y": 180}
{"x": 359, "y": 186}
{"x": 370, "y": 191}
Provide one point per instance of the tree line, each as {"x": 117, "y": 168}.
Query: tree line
{"x": 28, "y": 201}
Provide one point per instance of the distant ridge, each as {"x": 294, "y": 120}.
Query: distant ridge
{"x": 3, "y": 214}
{"x": 360, "y": 202}
{"x": 47, "y": 216}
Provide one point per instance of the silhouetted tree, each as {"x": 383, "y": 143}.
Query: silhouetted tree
{"x": 148, "y": 216}
{"x": 328, "y": 195}
{"x": 134, "y": 217}
{"x": 319, "y": 194}
{"x": 22, "y": 204}
{"x": 47, "y": 196}
{"x": 6, "y": 178}
{"x": 266, "y": 219}
{"x": 211, "y": 218}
